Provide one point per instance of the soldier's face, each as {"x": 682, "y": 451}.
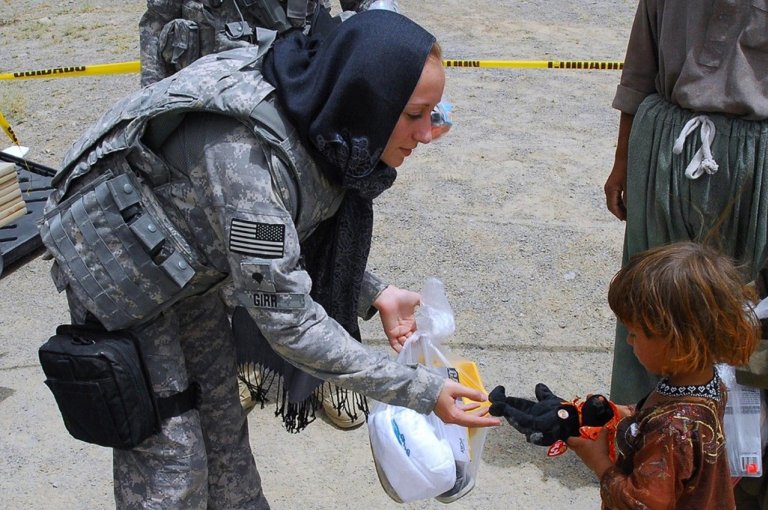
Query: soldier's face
{"x": 415, "y": 125}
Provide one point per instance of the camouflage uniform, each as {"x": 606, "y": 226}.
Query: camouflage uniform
{"x": 174, "y": 33}
{"x": 210, "y": 148}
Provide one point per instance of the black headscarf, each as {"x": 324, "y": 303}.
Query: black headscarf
{"x": 344, "y": 93}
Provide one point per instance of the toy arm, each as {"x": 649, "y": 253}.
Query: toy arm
{"x": 520, "y": 413}
{"x": 533, "y": 427}
{"x": 499, "y": 399}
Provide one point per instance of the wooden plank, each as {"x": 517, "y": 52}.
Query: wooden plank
{"x": 7, "y": 169}
{"x": 7, "y": 212}
{"x": 13, "y": 194}
{"x": 6, "y": 220}
{"x": 11, "y": 177}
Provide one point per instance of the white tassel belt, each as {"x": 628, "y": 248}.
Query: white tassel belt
{"x": 702, "y": 162}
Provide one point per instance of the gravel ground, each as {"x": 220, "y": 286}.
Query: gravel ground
{"x": 507, "y": 210}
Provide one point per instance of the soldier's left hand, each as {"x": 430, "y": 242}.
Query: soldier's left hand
{"x": 397, "y": 309}
{"x": 449, "y": 409}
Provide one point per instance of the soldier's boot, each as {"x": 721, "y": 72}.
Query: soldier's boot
{"x": 252, "y": 376}
{"x": 340, "y": 407}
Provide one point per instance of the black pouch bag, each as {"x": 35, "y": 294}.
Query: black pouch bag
{"x": 100, "y": 386}
{"x": 102, "y": 389}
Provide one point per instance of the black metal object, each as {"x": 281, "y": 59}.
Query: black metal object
{"x": 26, "y": 164}
{"x": 22, "y": 238}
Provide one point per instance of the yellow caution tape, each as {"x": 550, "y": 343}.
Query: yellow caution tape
{"x": 610, "y": 65}
{"x": 135, "y": 66}
{"x": 8, "y": 129}
{"x": 73, "y": 71}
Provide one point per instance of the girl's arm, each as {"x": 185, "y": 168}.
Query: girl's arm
{"x": 660, "y": 466}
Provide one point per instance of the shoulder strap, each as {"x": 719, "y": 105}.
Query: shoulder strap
{"x": 229, "y": 83}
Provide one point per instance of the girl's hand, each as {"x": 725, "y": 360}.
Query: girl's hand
{"x": 397, "y": 309}
{"x": 625, "y": 411}
{"x": 594, "y": 454}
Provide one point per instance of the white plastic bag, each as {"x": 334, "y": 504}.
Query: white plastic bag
{"x": 418, "y": 456}
{"x": 414, "y": 461}
{"x": 744, "y": 417}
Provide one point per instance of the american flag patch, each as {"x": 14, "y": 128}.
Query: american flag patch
{"x": 265, "y": 240}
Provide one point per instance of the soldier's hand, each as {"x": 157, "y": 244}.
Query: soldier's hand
{"x": 466, "y": 415}
{"x": 397, "y": 309}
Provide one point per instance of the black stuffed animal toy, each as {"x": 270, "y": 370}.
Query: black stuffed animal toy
{"x": 551, "y": 420}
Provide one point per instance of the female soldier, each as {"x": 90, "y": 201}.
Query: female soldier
{"x": 247, "y": 178}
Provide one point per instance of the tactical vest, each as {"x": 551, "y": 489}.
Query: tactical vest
{"x": 115, "y": 248}
{"x": 213, "y": 26}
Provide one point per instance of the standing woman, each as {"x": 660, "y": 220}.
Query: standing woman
{"x": 690, "y": 157}
{"x": 261, "y": 169}
{"x": 691, "y": 152}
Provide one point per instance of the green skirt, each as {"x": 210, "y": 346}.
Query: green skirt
{"x": 727, "y": 209}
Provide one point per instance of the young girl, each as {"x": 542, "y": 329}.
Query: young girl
{"x": 684, "y": 307}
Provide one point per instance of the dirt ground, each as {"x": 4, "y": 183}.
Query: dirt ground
{"x": 507, "y": 210}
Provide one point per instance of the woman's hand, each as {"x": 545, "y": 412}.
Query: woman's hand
{"x": 466, "y": 415}
{"x": 594, "y": 454}
{"x": 615, "y": 187}
{"x": 397, "y": 309}
{"x": 615, "y": 192}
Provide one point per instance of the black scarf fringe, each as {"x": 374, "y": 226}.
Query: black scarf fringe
{"x": 358, "y": 403}
{"x": 297, "y": 416}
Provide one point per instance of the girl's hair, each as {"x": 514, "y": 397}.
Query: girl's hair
{"x": 693, "y": 299}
